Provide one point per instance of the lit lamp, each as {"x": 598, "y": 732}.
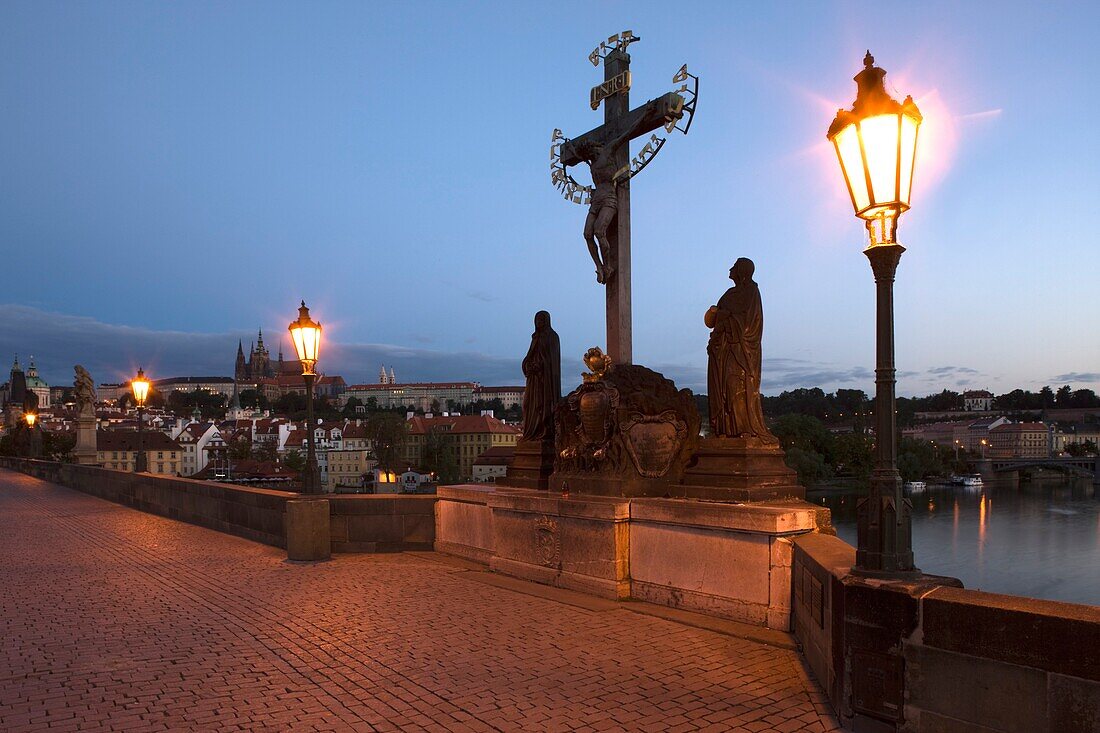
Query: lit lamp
{"x": 140, "y": 387}
{"x": 876, "y": 143}
{"x": 306, "y": 336}
{"x": 31, "y": 419}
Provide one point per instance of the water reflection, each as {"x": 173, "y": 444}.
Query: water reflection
{"x": 1044, "y": 540}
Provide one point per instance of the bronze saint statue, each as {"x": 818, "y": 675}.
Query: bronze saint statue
{"x": 733, "y": 370}
{"x": 84, "y": 391}
{"x": 542, "y": 367}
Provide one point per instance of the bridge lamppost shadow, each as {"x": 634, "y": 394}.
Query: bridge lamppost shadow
{"x": 876, "y": 143}
{"x": 140, "y": 387}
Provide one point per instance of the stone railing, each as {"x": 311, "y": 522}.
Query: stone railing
{"x": 359, "y": 522}
{"x": 931, "y": 656}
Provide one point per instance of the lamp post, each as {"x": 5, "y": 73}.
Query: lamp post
{"x": 876, "y": 144}
{"x": 140, "y": 387}
{"x": 31, "y": 418}
{"x": 306, "y": 336}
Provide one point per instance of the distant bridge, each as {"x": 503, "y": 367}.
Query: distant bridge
{"x": 1083, "y": 466}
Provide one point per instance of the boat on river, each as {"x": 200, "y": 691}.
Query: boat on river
{"x": 915, "y": 486}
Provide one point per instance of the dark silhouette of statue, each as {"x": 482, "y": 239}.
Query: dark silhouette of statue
{"x": 542, "y": 367}
{"x": 733, "y": 370}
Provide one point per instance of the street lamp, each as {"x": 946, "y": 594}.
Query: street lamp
{"x": 876, "y": 144}
{"x": 306, "y": 336}
{"x": 140, "y": 386}
{"x": 31, "y": 418}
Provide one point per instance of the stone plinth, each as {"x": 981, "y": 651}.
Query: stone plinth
{"x": 724, "y": 559}
{"x": 577, "y": 543}
{"x": 464, "y": 522}
{"x": 727, "y": 560}
{"x": 307, "y": 529}
{"x": 532, "y": 465}
{"x": 84, "y": 451}
{"x": 736, "y": 469}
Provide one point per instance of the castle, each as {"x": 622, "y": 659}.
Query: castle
{"x": 259, "y": 364}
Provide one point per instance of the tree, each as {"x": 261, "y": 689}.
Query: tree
{"x": 439, "y": 456}
{"x": 1080, "y": 450}
{"x": 853, "y": 455}
{"x": 351, "y": 406}
{"x": 254, "y": 399}
{"x": 266, "y": 451}
{"x": 57, "y": 446}
{"x": 811, "y": 467}
{"x": 294, "y": 460}
{"x": 388, "y": 433}
{"x": 1046, "y": 397}
{"x": 1064, "y": 396}
{"x": 240, "y": 448}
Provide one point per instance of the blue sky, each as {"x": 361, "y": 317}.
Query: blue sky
{"x": 173, "y": 176}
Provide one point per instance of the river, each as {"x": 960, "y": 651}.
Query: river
{"x": 1038, "y": 538}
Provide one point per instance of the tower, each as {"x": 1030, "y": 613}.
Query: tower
{"x": 240, "y": 371}
{"x": 382, "y": 378}
{"x": 393, "y": 377}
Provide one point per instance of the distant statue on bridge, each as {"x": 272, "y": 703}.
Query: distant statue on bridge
{"x": 84, "y": 391}
{"x": 734, "y": 366}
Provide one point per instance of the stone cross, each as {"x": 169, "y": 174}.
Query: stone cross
{"x": 621, "y": 122}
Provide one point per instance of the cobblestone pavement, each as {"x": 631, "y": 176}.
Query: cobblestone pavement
{"x": 117, "y": 620}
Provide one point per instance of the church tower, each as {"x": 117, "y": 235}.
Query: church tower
{"x": 393, "y": 377}
{"x": 382, "y": 378}
{"x": 240, "y": 372}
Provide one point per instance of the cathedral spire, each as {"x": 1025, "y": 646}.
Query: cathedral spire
{"x": 382, "y": 375}
{"x": 393, "y": 377}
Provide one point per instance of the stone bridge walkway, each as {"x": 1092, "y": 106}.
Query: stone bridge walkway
{"x": 117, "y": 620}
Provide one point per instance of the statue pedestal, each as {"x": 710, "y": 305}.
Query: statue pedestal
{"x": 532, "y": 465}
{"x": 84, "y": 452}
{"x": 739, "y": 469}
{"x": 727, "y": 560}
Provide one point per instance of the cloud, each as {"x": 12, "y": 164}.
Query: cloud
{"x": 1077, "y": 377}
{"x": 949, "y": 370}
{"x": 113, "y": 353}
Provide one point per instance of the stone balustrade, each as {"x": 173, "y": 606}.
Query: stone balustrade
{"x": 359, "y": 522}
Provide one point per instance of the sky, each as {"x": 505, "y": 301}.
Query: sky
{"x": 175, "y": 176}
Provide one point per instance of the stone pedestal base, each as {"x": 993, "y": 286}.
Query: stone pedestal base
{"x": 576, "y": 543}
{"x": 84, "y": 452}
{"x": 307, "y": 529}
{"x": 737, "y": 469}
{"x": 532, "y": 465}
{"x": 724, "y": 559}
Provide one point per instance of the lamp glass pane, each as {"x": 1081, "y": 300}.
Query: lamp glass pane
{"x": 908, "y": 155}
{"x": 880, "y": 145}
{"x": 310, "y": 339}
{"x": 847, "y": 147}
{"x": 299, "y": 345}
{"x": 141, "y": 390}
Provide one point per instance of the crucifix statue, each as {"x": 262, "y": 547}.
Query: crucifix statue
{"x": 606, "y": 150}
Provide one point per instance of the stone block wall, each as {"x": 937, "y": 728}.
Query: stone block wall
{"x": 359, "y": 522}
{"x": 930, "y": 656}
{"x": 727, "y": 560}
